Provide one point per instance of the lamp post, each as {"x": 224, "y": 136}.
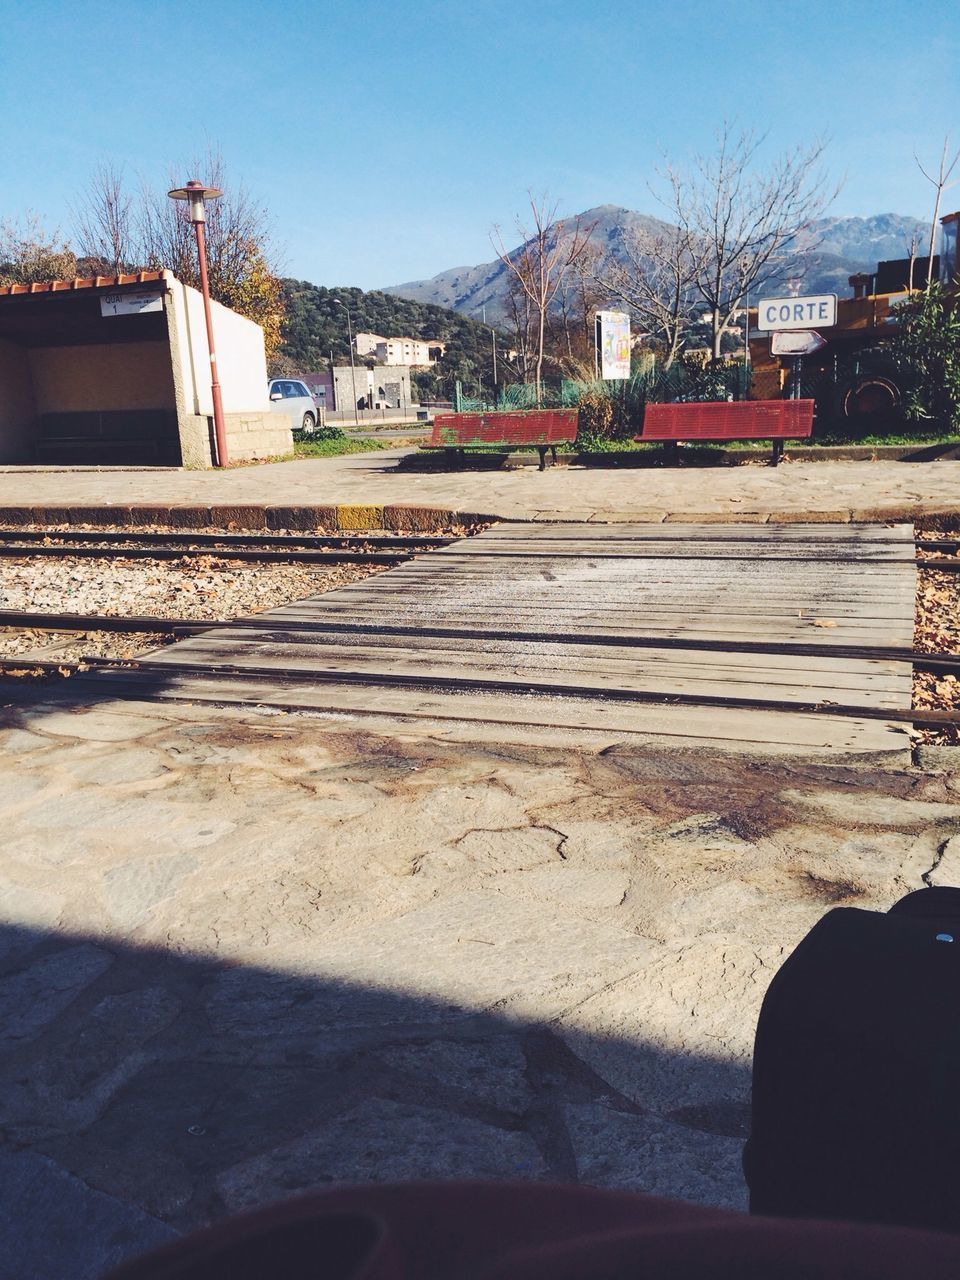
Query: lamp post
{"x": 195, "y": 193}
{"x": 353, "y": 367}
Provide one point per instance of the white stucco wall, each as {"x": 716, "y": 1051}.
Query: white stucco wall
{"x": 241, "y": 362}
{"x": 18, "y": 407}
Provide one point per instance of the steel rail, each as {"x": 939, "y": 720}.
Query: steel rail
{"x": 296, "y": 555}
{"x": 423, "y": 633}
{"x": 466, "y": 684}
{"x": 139, "y": 671}
{"x": 32, "y": 620}
{"x": 246, "y": 556}
{"x": 283, "y": 628}
{"x": 311, "y": 540}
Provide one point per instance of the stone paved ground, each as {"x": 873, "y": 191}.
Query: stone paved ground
{"x": 244, "y": 955}
{"x": 836, "y": 490}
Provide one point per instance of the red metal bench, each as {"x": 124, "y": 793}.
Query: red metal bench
{"x": 542, "y": 428}
{"x": 775, "y": 420}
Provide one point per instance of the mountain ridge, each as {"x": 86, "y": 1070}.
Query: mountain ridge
{"x": 836, "y": 248}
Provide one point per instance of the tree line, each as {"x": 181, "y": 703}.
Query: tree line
{"x": 121, "y": 226}
{"x": 731, "y": 224}
{"x": 315, "y": 333}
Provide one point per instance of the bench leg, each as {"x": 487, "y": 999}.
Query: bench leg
{"x": 553, "y": 452}
{"x": 777, "y": 452}
{"x": 542, "y": 450}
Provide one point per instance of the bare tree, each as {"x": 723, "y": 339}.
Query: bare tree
{"x": 520, "y": 310}
{"x": 738, "y": 221}
{"x": 912, "y": 250}
{"x": 150, "y": 231}
{"x": 104, "y": 223}
{"x": 942, "y": 183}
{"x": 655, "y": 281}
{"x": 571, "y": 337}
{"x": 540, "y": 267}
{"x": 30, "y": 254}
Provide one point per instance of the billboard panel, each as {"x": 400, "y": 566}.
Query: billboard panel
{"x": 613, "y": 344}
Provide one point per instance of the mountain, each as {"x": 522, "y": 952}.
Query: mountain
{"x": 834, "y": 249}
{"x": 870, "y": 240}
{"x": 474, "y": 291}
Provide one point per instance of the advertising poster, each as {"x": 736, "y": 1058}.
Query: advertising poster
{"x": 613, "y": 344}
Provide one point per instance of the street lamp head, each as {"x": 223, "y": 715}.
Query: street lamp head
{"x": 195, "y": 193}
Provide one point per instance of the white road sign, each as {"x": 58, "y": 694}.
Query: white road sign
{"x": 819, "y": 309}
{"x": 130, "y": 304}
{"x": 802, "y": 342}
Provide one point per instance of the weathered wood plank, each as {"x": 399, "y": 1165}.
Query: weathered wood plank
{"x": 296, "y": 660}
{"x": 733, "y": 730}
{"x": 547, "y": 652}
{"x": 737, "y": 583}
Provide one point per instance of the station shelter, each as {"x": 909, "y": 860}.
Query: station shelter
{"x": 115, "y": 371}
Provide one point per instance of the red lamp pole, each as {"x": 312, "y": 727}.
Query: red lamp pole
{"x": 195, "y": 193}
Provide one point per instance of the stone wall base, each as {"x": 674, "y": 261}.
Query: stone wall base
{"x": 249, "y": 435}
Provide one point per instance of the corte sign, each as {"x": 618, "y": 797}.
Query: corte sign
{"x": 816, "y": 311}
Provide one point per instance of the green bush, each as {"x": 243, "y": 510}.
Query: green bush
{"x": 927, "y": 349}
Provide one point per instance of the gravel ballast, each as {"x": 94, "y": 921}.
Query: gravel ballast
{"x": 204, "y": 589}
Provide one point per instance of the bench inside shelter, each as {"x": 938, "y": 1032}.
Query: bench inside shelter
{"x": 502, "y": 430}
{"x": 775, "y": 420}
{"x": 119, "y": 437}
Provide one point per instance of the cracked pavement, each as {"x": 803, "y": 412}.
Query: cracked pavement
{"x": 243, "y": 955}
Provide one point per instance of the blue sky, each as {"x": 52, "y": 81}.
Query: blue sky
{"x": 387, "y": 139}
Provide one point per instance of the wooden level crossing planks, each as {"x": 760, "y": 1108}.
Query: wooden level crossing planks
{"x": 584, "y": 603}
{"x": 555, "y": 722}
{"x": 646, "y": 671}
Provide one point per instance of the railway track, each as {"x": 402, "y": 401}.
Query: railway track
{"x": 125, "y": 669}
{"x": 249, "y": 548}
{"x": 931, "y": 554}
{"x": 299, "y": 549}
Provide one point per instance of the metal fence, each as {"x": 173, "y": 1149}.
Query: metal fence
{"x": 678, "y": 383}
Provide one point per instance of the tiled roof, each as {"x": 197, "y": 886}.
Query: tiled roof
{"x": 85, "y": 282}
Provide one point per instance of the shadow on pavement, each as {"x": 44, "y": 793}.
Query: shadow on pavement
{"x": 146, "y": 1093}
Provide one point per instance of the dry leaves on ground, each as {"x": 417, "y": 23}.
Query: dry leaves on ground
{"x": 937, "y": 630}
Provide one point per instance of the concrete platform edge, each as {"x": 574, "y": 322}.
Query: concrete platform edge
{"x": 251, "y": 516}
{"x": 409, "y": 517}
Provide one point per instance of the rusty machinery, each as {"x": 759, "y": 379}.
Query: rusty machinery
{"x": 854, "y": 378}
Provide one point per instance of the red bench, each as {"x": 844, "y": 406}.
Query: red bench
{"x": 542, "y": 428}
{"x": 775, "y": 420}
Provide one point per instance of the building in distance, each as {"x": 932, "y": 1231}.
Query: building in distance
{"x": 418, "y": 352}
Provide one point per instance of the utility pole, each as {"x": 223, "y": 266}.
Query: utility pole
{"x": 353, "y": 367}
{"x": 746, "y": 344}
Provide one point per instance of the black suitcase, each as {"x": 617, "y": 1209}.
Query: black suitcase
{"x": 856, "y": 1070}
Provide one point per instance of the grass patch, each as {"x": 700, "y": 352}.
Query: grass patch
{"x": 608, "y": 444}
{"x": 893, "y": 438}
{"x": 337, "y": 446}
{"x": 594, "y": 444}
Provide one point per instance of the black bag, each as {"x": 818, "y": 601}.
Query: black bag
{"x": 856, "y": 1070}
